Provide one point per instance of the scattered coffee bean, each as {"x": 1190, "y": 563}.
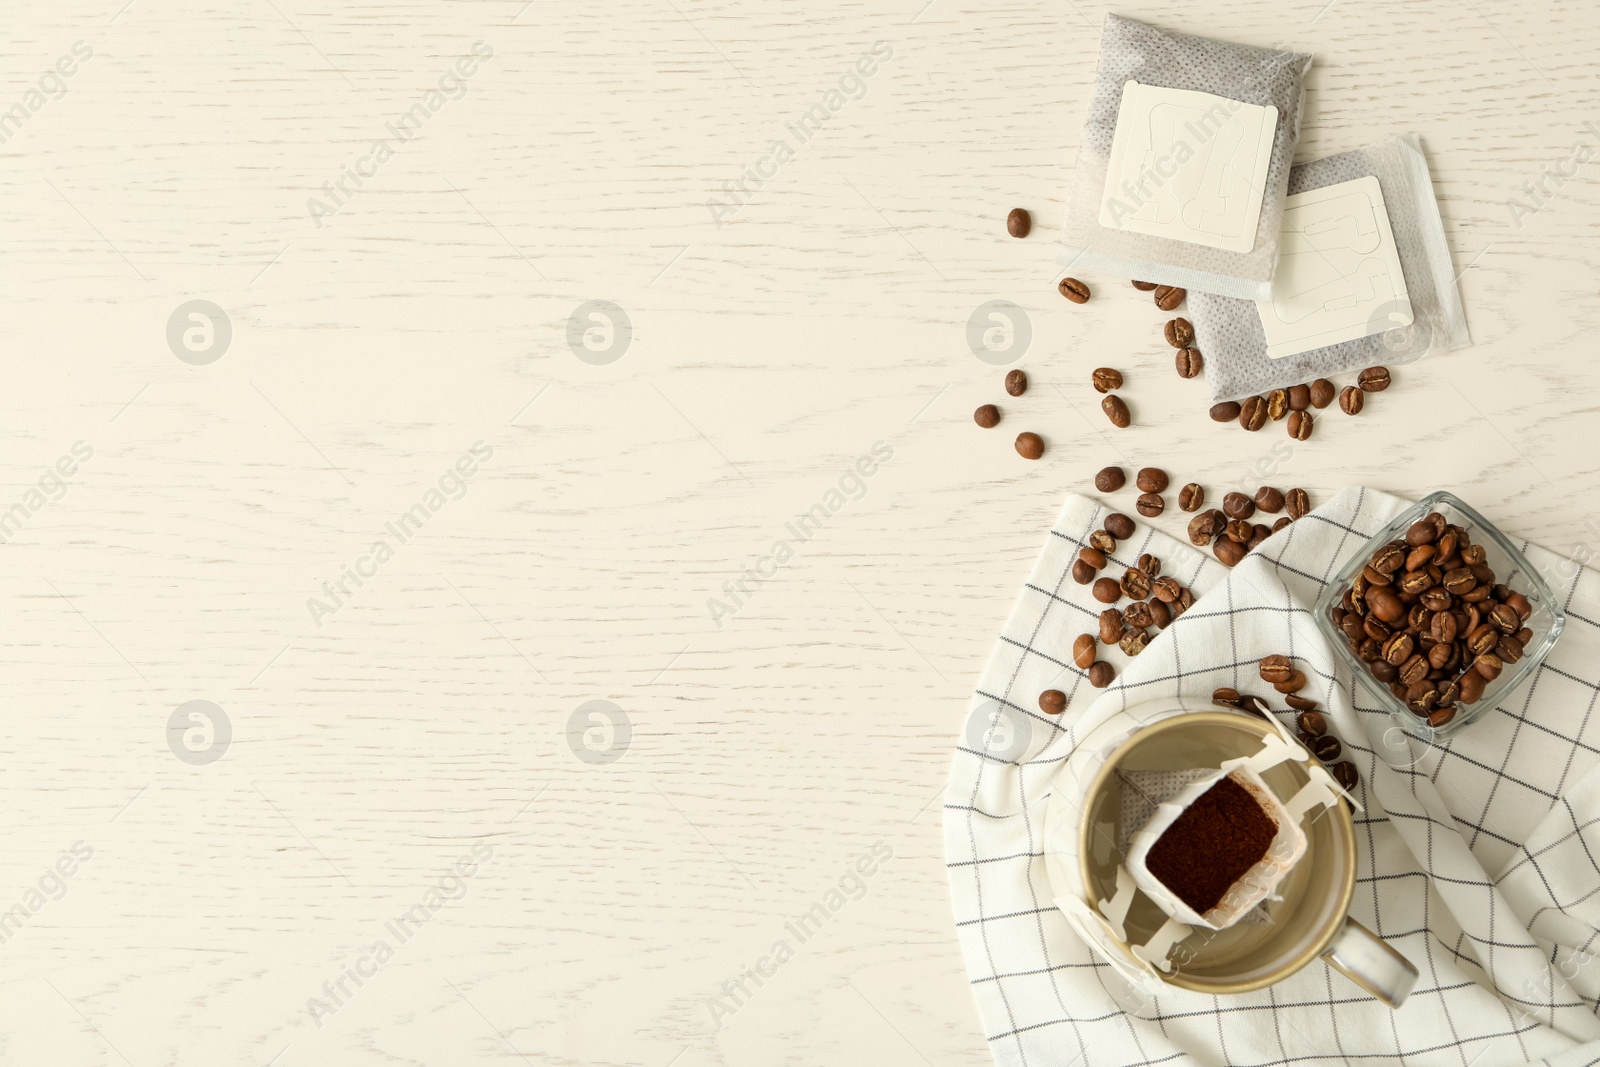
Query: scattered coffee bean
{"x": 1019, "y": 222}
{"x": 1106, "y": 379}
{"x": 1239, "y": 531}
{"x": 1259, "y": 533}
{"x": 1327, "y": 748}
{"x": 1275, "y": 669}
{"x": 1281, "y": 523}
{"x": 1179, "y": 333}
{"x": 1225, "y": 698}
{"x": 1103, "y": 540}
{"x": 1151, "y": 565}
{"x": 1082, "y": 573}
{"x": 1109, "y": 480}
{"x": 1253, "y": 704}
{"x": 1300, "y": 423}
{"x": 1189, "y": 362}
{"x": 1116, "y": 410}
{"x": 1351, "y": 400}
{"x": 1322, "y": 393}
{"x": 1083, "y": 650}
{"x": 1119, "y": 525}
{"x": 1111, "y": 626}
{"x": 1134, "y": 642}
{"x": 1166, "y": 589}
{"x": 1299, "y": 703}
{"x": 987, "y": 416}
{"x": 1016, "y": 382}
{"x": 1191, "y": 497}
{"x": 1238, "y": 506}
{"x": 1299, "y": 397}
{"x": 1345, "y": 773}
{"x": 1052, "y": 702}
{"x": 1297, "y": 503}
{"x": 1226, "y": 411}
{"x": 1204, "y": 526}
{"x": 1093, "y": 557}
{"x": 1269, "y": 499}
{"x": 1253, "y": 413}
{"x": 1101, "y": 674}
{"x": 1228, "y": 552}
{"x": 1312, "y": 723}
{"x": 1277, "y": 404}
{"x": 1144, "y": 287}
{"x": 1073, "y": 290}
{"x": 1135, "y": 585}
{"x": 1151, "y": 479}
{"x": 1150, "y": 504}
{"x": 1373, "y": 379}
{"x": 1168, "y": 297}
{"x": 1106, "y": 590}
{"x": 1030, "y": 445}
{"x": 1138, "y": 616}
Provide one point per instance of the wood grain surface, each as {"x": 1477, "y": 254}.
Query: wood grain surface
{"x": 623, "y": 878}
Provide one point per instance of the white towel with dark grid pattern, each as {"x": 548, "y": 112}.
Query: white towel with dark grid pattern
{"x": 1480, "y": 860}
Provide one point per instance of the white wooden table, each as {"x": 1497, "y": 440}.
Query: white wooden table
{"x": 622, "y": 878}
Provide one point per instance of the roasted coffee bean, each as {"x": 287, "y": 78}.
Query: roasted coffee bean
{"x": 1228, "y": 552}
{"x": 1093, "y": 557}
{"x": 1134, "y": 642}
{"x": 1238, "y": 506}
{"x": 1322, "y": 393}
{"x": 1439, "y": 656}
{"x": 1116, "y": 410}
{"x": 1016, "y": 382}
{"x": 1507, "y": 650}
{"x": 1111, "y": 626}
{"x": 1150, "y": 504}
{"x": 1412, "y": 670}
{"x": 1297, "y": 503}
{"x": 1151, "y": 565}
{"x": 1166, "y": 589}
{"x": 1443, "y": 627}
{"x": 1439, "y": 716}
{"x": 1161, "y": 612}
{"x": 1305, "y": 739}
{"x": 1312, "y": 723}
{"x": 1151, "y": 480}
{"x": 1135, "y": 584}
{"x": 1437, "y": 599}
{"x": 1109, "y": 480}
{"x": 1500, "y": 591}
{"x": 1225, "y": 698}
{"x": 1472, "y": 684}
{"x": 1524, "y": 637}
{"x": 1106, "y": 590}
{"x": 1254, "y": 705}
{"x": 1299, "y": 397}
{"x": 1505, "y": 618}
{"x": 1351, "y": 400}
{"x": 987, "y": 416}
{"x": 1191, "y": 497}
{"x": 1203, "y": 527}
{"x": 1388, "y": 559}
{"x": 1019, "y": 222}
{"x": 1030, "y": 445}
{"x": 1384, "y": 672}
{"x": 1179, "y": 332}
{"x": 1345, "y": 773}
{"x": 1482, "y": 639}
{"x": 1415, "y": 583}
{"x": 1259, "y": 533}
{"x": 1101, "y": 674}
{"x": 1521, "y": 605}
{"x": 1274, "y": 669}
{"x": 1138, "y": 616}
{"x": 1327, "y": 748}
{"x": 1421, "y": 697}
{"x": 1300, "y": 425}
{"x": 1460, "y": 581}
{"x": 1269, "y": 499}
{"x": 1299, "y": 703}
{"x": 1226, "y": 411}
{"x": 1103, "y": 540}
{"x": 1052, "y": 702}
{"x": 1144, "y": 287}
{"x": 1189, "y": 362}
{"x": 1398, "y": 648}
{"x": 1382, "y": 602}
{"x": 1073, "y": 290}
{"x": 1082, "y": 573}
{"x": 1488, "y": 665}
{"x": 1119, "y": 525}
{"x": 1373, "y": 379}
{"x": 1420, "y": 557}
{"x": 1083, "y": 650}
{"x": 1168, "y": 297}
{"x": 1277, "y": 404}
{"x": 1240, "y": 531}
{"x": 1422, "y": 532}
{"x": 1472, "y": 555}
{"x": 1253, "y": 413}
{"x": 1106, "y": 379}
{"x": 1292, "y": 684}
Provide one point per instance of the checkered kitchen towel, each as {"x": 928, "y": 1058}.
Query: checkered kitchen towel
{"x": 1480, "y": 860}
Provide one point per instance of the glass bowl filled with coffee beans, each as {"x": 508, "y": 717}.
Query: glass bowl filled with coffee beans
{"x": 1441, "y": 616}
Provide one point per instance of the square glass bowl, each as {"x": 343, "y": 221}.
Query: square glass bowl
{"x": 1510, "y": 567}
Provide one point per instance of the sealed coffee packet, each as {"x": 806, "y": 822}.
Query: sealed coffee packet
{"x": 1396, "y": 320}
{"x": 1184, "y": 163}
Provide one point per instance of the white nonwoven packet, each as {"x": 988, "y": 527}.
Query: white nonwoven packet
{"x": 1422, "y": 316}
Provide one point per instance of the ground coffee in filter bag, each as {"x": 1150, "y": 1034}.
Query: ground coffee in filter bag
{"x": 1187, "y": 161}
{"x": 1230, "y": 332}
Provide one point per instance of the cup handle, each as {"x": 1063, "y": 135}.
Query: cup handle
{"x": 1363, "y": 957}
